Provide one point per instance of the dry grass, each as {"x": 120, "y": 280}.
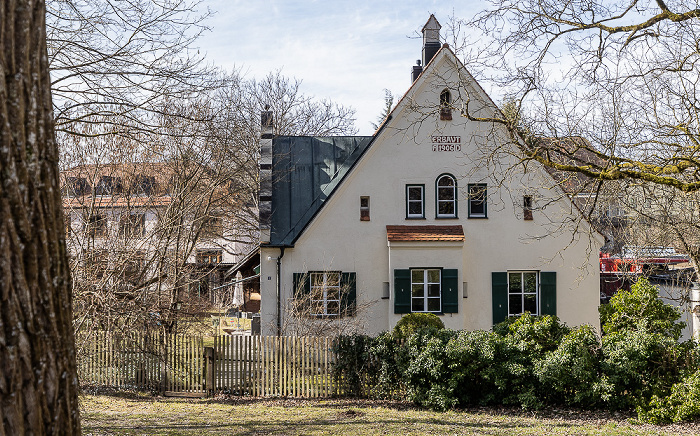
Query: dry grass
{"x": 138, "y": 414}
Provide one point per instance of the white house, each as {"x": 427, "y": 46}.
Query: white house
{"x": 434, "y": 213}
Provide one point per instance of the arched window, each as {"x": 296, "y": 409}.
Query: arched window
{"x": 446, "y": 187}
{"x": 445, "y": 105}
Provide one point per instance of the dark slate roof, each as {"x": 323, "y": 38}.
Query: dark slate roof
{"x": 305, "y": 171}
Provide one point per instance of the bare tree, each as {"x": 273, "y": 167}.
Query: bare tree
{"x": 156, "y": 217}
{"x": 117, "y": 62}
{"x": 38, "y": 384}
{"x": 622, "y": 75}
{"x": 324, "y": 305}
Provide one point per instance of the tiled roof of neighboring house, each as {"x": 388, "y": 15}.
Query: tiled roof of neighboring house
{"x": 116, "y": 201}
{"x": 425, "y": 233}
{"x": 306, "y": 171}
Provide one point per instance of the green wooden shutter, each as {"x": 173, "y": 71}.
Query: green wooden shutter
{"x": 402, "y": 291}
{"x": 348, "y": 293}
{"x": 548, "y": 293}
{"x": 450, "y": 291}
{"x": 499, "y": 296}
{"x": 299, "y": 287}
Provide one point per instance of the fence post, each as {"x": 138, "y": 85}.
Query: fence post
{"x": 209, "y": 357}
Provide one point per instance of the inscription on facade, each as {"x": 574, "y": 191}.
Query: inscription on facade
{"x": 446, "y": 143}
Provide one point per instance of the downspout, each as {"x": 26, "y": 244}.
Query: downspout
{"x": 279, "y": 293}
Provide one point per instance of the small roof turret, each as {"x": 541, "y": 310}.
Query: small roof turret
{"x": 431, "y": 39}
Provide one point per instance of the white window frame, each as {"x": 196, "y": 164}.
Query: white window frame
{"x": 452, "y": 188}
{"x": 472, "y": 200}
{"x": 409, "y": 201}
{"x": 320, "y": 283}
{"x": 425, "y": 289}
{"x": 522, "y": 292}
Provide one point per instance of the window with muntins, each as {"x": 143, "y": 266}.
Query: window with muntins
{"x": 415, "y": 201}
{"x": 522, "y": 292}
{"x": 425, "y": 290}
{"x": 446, "y": 197}
{"x": 477, "y": 200}
{"x": 325, "y": 293}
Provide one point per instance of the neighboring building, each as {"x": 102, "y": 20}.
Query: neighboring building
{"x": 433, "y": 213}
{"x": 129, "y": 229}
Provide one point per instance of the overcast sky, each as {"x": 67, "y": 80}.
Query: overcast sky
{"x": 348, "y": 51}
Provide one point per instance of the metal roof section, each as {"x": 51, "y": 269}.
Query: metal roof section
{"x": 307, "y": 169}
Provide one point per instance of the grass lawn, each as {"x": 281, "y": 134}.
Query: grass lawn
{"x": 137, "y": 414}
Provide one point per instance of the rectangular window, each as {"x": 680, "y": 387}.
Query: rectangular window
{"x": 364, "y": 208}
{"x": 425, "y": 290}
{"x": 477, "y": 200}
{"x": 213, "y": 227}
{"x": 95, "y": 264}
{"x": 415, "y": 204}
{"x": 325, "y": 293}
{"x": 522, "y": 292}
{"x": 209, "y": 256}
{"x": 96, "y": 226}
{"x": 527, "y": 208}
{"x": 132, "y": 225}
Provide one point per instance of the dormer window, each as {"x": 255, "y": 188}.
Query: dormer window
{"x": 76, "y": 187}
{"x": 143, "y": 185}
{"x": 109, "y": 185}
{"x": 445, "y": 105}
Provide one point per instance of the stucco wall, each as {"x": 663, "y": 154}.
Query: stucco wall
{"x": 557, "y": 239}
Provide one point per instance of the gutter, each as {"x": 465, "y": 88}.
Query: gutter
{"x": 279, "y": 293}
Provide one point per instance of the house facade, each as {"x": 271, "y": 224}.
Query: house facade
{"x": 434, "y": 213}
{"x": 131, "y": 232}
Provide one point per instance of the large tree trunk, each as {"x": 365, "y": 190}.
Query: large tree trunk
{"x": 38, "y": 382}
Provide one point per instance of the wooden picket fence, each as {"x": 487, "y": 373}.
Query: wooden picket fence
{"x": 179, "y": 365}
{"x": 274, "y": 366}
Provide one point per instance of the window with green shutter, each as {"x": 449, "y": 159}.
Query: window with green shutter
{"x": 548, "y": 293}
{"x": 499, "y": 296}
{"x": 348, "y": 294}
{"x": 450, "y": 291}
{"x": 516, "y": 292}
{"x": 326, "y": 293}
{"x": 431, "y": 290}
{"x": 402, "y": 291}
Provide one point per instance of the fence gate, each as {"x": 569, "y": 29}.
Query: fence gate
{"x": 183, "y": 367}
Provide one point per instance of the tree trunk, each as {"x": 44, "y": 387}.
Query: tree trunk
{"x": 38, "y": 381}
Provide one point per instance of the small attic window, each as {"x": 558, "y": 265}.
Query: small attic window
{"x": 445, "y": 105}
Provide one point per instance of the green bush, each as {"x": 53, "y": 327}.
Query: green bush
{"x": 428, "y": 369}
{"x": 411, "y": 322}
{"x": 570, "y": 374}
{"x": 637, "y": 365}
{"x": 683, "y": 404}
{"x": 640, "y": 309}
{"x": 353, "y": 363}
{"x": 386, "y": 374}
